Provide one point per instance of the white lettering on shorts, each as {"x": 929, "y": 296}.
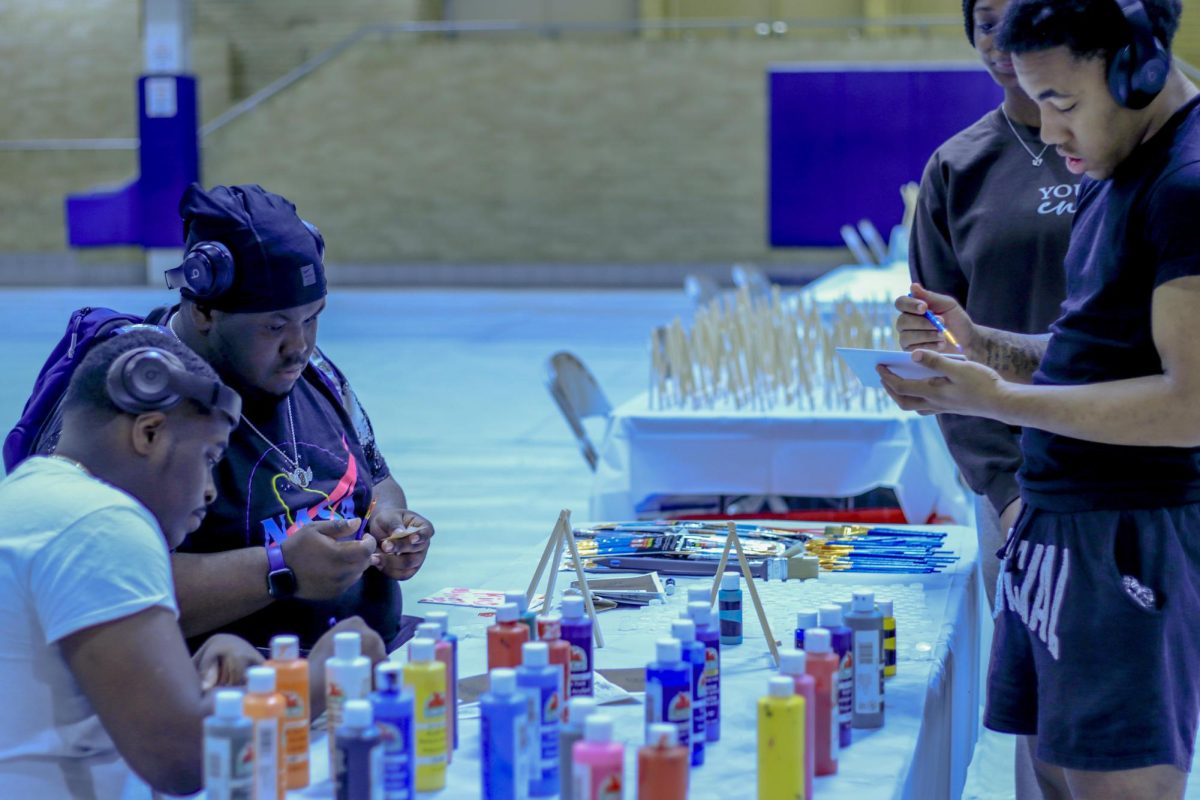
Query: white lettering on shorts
{"x": 1038, "y": 599}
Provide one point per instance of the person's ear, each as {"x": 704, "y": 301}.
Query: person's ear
{"x": 200, "y": 316}
{"x": 148, "y": 432}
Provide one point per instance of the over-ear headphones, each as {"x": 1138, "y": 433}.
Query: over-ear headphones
{"x": 207, "y": 268}
{"x": 1139, "y": 70}
{"x": 150, "y": 379}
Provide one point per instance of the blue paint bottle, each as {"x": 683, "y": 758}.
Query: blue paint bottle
{"x": 505, "y": 738}
{"x": 668, "y": 690}
{"x": 841, "y": 639}
{"x": 443, "y": 621}
{"x": 392, "y": 703}
{"x": 693, "y": 653}
{"x": 708, "y": 635}
{"x": 541, "y": 680}
{"x": 359, "y": 768}
{"x": 577, "y": 632}
{"x": 729, "y": 602}
{"x": 804, "y": 620}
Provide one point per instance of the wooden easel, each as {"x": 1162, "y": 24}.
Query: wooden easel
{"x": 564, "y": 534}
{"x": 733, "y": 541}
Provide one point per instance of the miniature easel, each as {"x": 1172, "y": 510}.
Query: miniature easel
{"x": 732, "y": 540}
{"x": 563, "y": 533}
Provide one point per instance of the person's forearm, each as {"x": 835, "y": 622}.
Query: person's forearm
{"x": 389, "y": 494}
{"x": 1154, "y": 411}
{"x": 1015, "y": 356}
{"x": 214, "y": 589}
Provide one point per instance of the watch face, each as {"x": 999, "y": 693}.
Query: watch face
{"x": 281, "y": 583}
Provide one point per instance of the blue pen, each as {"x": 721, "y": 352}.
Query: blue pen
{"x": 937, "y": 323}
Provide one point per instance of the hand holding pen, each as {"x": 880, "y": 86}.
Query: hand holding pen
{"x": 927, "y": 321}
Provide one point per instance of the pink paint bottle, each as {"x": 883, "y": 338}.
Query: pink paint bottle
{"x": 598, "y": 770}
{"x": 794, "y": 664}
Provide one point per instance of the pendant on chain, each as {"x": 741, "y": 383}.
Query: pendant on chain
{"x": 301, "y": 477}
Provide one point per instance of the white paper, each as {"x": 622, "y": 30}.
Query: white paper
{"x": 863, "y": 362}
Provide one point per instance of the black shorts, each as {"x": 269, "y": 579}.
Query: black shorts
{"x": 1097, "y": 642}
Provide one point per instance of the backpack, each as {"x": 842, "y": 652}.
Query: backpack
{"x": 42, "y": 415}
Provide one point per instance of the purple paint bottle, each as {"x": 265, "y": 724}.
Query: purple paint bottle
{"x": 577, "y": 632}
{"x": 841, "y": 640}
{"x": 709, "y": 635}
{"x": 668, "y": 690}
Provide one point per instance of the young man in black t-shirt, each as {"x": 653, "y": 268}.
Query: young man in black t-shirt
{"x": 1096, "y": 652}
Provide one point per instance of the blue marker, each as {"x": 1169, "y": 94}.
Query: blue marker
{"x": 668, "y": 691}
{"x": 937, "y": 323}
{"x": 393, "y": 705}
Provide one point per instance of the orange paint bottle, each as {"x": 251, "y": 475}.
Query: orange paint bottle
{"x": 663, "y": 765}
{"x": 824, "y": 666}
{"x": 549, "y": 627}
{"x": 504, "y": 639}
{"x": 291, "y": 681}
{"x": 266, "y": 708}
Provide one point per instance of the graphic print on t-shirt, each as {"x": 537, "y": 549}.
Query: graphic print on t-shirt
{"x": 1058, "y": 199}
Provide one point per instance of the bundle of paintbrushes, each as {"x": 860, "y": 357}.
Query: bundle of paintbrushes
{"x": 848, "y": 548}
{"x": 759, "y": 352}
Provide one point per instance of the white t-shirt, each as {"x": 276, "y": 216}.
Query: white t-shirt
{"x": 74, "y": 552}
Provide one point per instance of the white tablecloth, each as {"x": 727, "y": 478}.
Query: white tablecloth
{"x": 922, "y": 752}
{"x": 799, "y": 453}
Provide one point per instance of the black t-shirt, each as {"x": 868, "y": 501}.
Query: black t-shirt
{"x": 256, "y": 503}
{"x": 1133, "y": 232}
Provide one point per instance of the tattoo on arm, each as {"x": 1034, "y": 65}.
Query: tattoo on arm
{"x": 1015, "y": 356}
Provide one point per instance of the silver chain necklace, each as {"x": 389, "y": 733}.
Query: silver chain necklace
{"x": 298, "y": 476}
{"x": 1037, "y": 157}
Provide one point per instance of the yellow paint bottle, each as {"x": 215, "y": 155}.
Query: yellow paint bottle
{"x": 781, "y": 755}
{"x": 427, "y": 679}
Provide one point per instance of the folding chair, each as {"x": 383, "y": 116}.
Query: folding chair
{"x": 578, "y": 396}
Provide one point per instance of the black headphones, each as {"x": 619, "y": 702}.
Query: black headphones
{"x": 1139, "y": 70}
{"x": 149, "y": 379}
{"x": 207, "y": 268}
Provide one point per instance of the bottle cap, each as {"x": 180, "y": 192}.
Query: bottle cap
{"x": 389, "y": 676}
{"x": 358, "y": 714}
{"x": 730, "y": 581}
{"x": 863, "y": 602}
{"x": 845, "y": 604}
{"x": 806, "y": 619}
{"x": 668, "y": 650}
{"x": 421, "y": 650}
{"x": 441, "y": 618}
{"x": 228, "y": 704}
{"x": 260, "y": 680}
{"x": 285, "y": 647}
{"x": 793, "y": 662}
{"x": 347, "y": 645}
{"x": 817, "y": 640}
{"x": 518, "y": 599}
{"x": 549, "y": 626}
{"x": 662, "y": 734}
{"x": 429, "y": 630}
{"x": 700, "y": 594}
{"x": 535, "y": 654}
{"x": 829, "y": 616}
{"x": 701, "y": 613}
{"x": 578, "y": 710}
{"x": 684, "y": 630}
{"x": 507, "y": 612}
{"x": 572, "y": 606}
{"x": 503, "y": 681}
{"x": 776, "y": 687}
{"x": 598, "y": 728}
{"x": 886, "y": 608}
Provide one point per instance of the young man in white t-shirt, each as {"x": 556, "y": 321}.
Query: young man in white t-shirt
{"x": 95, "y": 678}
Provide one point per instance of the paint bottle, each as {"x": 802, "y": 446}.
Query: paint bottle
{"x": 840, "y": 639}
{"x": 781, "y": 742}
{"x": 662, "y": 766}
{"x": 700, "y": 594}
{"x": 426, "y": 677}
{"x": 570, "y": 732}
{"x": 347, "y": 677}
{"x": 550, "y": 631}
{"x": 504, "y": 731}
{"x": 598, "y": 763}
{"x": 823, "y": 665}
{"x": 729, "y": 602}
{"x": 804, "y": 620}
{"x": 443, "y": 652}
{"x": 668, "y": 690}
{"x": 867, "y": 623}
{"x": 504, "y": 639}
{"x": 527, "y": 617}
{"x": 693, "y": 652}
{"x": 541, "y": 680}
{"x": 443, "y": 621}
{"x": 577, "y": 632}
{"x": 358, "y": 771}
{"x": 393, "y": 710}
{"x": 228, "y": 750}
{"x": 708, "y": 635}
{"x": 291, "y": 681}
{"x": 889, "y": 638}
{"x": 266, "y": 709}
{"x": 794, "y": 665}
